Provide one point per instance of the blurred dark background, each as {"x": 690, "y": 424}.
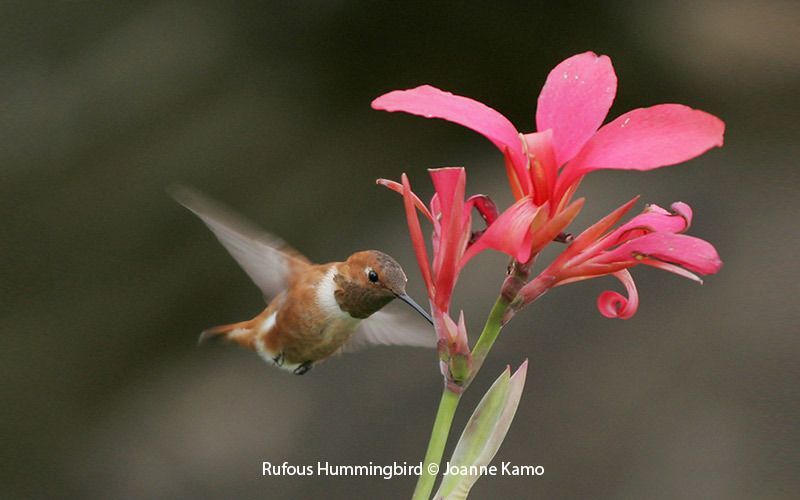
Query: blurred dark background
{"x": 105, "y": 281}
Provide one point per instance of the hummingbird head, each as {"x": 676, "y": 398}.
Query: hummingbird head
{"x": 370, "y": 280}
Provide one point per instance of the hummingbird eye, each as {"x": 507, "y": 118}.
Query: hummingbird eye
{"x": 373, "y": 276}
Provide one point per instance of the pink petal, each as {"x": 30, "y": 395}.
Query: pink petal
{"x": 545, "y": 235}
{"x": 648, "y": 138}
{"x": 694, "y": 254}
{"x": 417, "y": 240}
{"x": 431, "y": 102}
{"x": 614, "y": 305}
{"x": 509, "y": 234}
{"x": 518, "y": 179}
{"x": 449, "y": 184}
{"x": 574, "y": 102}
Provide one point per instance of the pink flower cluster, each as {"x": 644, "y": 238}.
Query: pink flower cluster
{"x": 544, "y": 169}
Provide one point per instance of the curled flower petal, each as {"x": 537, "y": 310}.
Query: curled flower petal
{"x": 575, "y": 100}
{"x": 431, "y": 102}
{"x": 684, "y": 210}
{"x": 614, "y": 305}
{"x": 648, "y": 138}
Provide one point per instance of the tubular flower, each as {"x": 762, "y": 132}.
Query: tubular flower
{"x": 548, "y": 165}
{"x": 454, "y": 244}
{"x": 652, "y": 238}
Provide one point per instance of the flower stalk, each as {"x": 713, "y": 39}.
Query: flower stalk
{"x": 451, "y": 396}
{"x": 436, "y": 444}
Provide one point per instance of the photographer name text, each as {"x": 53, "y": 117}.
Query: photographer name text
{"x": 397, "y": 469}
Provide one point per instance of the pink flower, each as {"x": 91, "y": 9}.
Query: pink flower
{"x": 548, "y": 165}
{"x": 544, "y": 169}
{"x": 651, "y": 238}
{"x": 451, "y": 217}
{"x": 454, "y": 242}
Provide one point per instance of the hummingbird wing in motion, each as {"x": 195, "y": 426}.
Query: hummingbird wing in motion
{"x": 267, "y": 259}
{"x": 392, "y": 327}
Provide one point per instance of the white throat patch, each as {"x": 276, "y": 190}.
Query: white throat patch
{"x": 326, "y": 298}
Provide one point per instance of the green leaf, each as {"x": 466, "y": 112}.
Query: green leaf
{"x": 483, "y": 434}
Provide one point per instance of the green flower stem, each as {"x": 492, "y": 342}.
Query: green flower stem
{"x": 494, "y": 323}
{"x": 450, "y": 398}
{"x": 441, "y": 429}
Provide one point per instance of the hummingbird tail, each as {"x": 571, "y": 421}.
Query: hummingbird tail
{"x": 238, "y": 332}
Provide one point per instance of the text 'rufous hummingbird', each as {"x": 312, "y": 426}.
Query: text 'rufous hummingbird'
{"x": 315, "y": 311}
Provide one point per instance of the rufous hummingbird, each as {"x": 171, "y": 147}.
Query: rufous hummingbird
{"x": 313, "y": 311}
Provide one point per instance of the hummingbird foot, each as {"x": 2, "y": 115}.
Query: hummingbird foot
{"x": 278, "y": 360}
{"x": 303, "y": 368}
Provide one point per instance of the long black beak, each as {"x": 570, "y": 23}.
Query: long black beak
{"x": 408, "y": 300}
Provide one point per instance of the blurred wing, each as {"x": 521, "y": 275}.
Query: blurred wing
{"x": 387, "y": 327}
{"x": 264, "y": 257}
